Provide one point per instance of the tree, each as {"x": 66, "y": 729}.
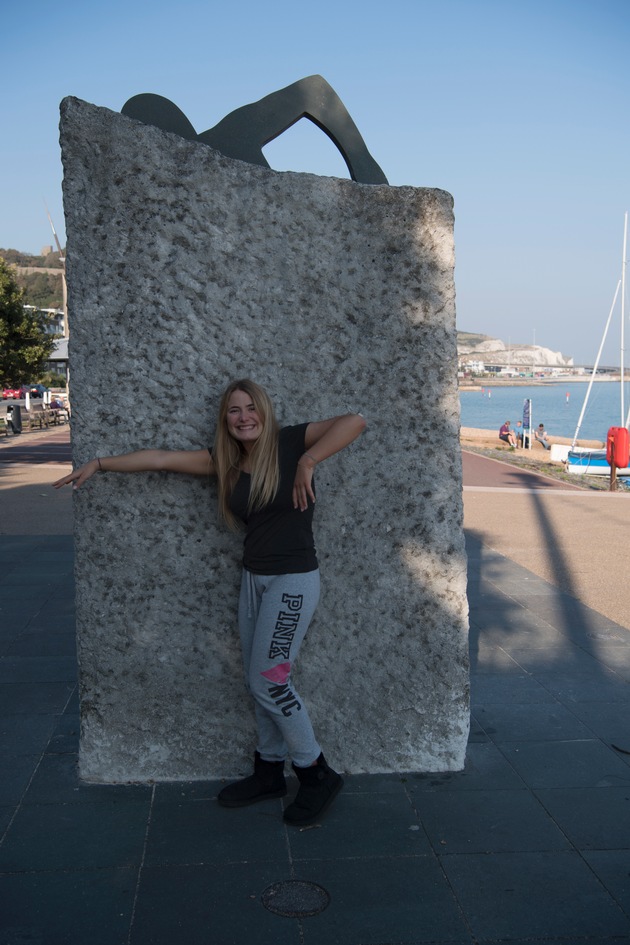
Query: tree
{"x": 24, "y": 345}
{"x": 42, "y": 289}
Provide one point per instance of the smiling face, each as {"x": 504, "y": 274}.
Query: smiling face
{"x": 244, "y": 423}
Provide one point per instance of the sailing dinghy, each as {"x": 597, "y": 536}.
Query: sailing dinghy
{"x": 583, "y": 461}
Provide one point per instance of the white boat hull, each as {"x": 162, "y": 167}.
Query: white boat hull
{"x": 585, "y": 462}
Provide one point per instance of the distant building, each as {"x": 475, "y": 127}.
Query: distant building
{"x": 58, "y": 361}
{"x": 52, "y": 319}
{"x": 471, "y": 366}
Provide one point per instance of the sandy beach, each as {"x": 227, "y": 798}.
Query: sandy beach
{"x": 494, "y": 382}
{"x": 489, "y": 439}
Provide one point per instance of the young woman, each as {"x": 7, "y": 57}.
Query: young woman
{"x": 265, "y": 482}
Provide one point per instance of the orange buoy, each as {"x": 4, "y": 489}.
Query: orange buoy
{"x": 618, "y": 447}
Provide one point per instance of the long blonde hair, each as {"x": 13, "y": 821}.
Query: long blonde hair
{"x": 228, "y": 453}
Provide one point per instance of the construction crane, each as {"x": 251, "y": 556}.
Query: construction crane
{"x": 62, "y": 260}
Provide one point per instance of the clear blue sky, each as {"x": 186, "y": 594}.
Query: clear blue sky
{"x": 519, "y": 108}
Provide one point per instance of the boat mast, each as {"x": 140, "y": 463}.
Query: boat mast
{"x": 595, "y": 366}
{"x": 623, "y": 309}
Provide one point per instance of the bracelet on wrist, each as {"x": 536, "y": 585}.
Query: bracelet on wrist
{"x": 100, "y": 468}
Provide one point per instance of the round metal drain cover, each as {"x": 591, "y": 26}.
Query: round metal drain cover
{"x": 295, "y": 899}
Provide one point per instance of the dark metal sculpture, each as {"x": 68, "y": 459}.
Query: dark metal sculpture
{"x": 244, "y": 132}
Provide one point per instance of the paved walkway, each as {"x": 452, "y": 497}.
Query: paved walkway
{"x": 530, "y": 844}
{"x": 574, "y": 538}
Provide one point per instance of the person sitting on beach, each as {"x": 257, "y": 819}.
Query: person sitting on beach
{"x": 541, "y": 436}
{"x": 506, "y": 434}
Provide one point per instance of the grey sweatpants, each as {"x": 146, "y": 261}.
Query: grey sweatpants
{"x": 274, "y": 612}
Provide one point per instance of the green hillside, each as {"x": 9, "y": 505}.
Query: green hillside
{"x": 44, "y": 289}
{"x": 471, "y": 338}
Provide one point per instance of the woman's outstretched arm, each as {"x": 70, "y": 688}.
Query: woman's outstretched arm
{"x": 323, "y": 439}
{"x": 193, "y": 462}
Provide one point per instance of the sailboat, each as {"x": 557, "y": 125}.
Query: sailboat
{"x": 593, "y": 462}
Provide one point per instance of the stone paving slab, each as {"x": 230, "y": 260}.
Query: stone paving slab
{"x": 529, "y": 843}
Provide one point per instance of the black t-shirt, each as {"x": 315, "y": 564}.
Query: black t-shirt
{"x": 278, "y": 538}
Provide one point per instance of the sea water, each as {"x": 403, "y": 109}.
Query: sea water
{"x": 556, "y": 405}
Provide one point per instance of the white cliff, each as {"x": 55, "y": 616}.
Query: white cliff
{"x": 495, "y": 351}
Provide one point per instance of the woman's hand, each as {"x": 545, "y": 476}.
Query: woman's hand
{"x": 78, "y": 476}
{"x": 322, "y": 439}
{"x": 192, "y": 462}
{"x": 303, "y": 483}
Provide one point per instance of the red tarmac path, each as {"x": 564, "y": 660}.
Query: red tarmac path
{"x": 480, "y": 471}
{"x": 571, "y": 537}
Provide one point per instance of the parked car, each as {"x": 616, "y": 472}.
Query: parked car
{"x": 10, "y": 393}
{"x": 35, "y": 390}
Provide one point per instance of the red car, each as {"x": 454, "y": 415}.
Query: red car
{"x": 35, "y": 390}
{"x": 10, "y": 393}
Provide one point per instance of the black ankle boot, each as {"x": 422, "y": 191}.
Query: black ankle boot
{"x": 319, "y": 785}
{"x": 266, "y": 782}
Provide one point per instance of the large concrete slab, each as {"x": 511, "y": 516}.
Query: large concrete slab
{"x": 186, "y": 269}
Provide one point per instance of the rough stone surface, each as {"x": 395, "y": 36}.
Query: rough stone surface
{"x": 187, "y": 269}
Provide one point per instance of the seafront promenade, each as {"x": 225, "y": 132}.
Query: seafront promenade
{"x": 569, "y": 536}
{"x": 529, "y": 844}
